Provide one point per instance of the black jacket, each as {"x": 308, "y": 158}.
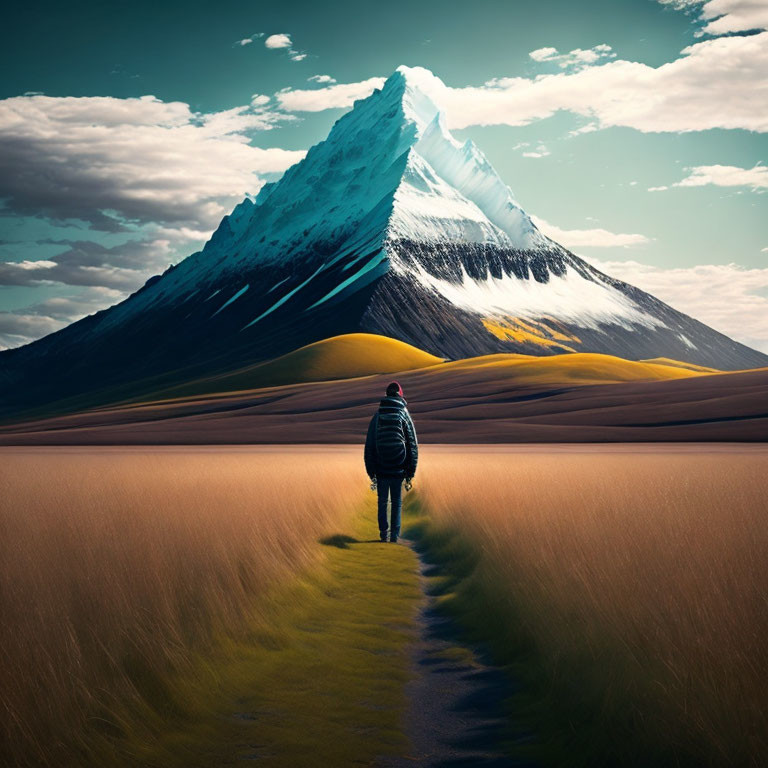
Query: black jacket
{"x": 391, "y": 447}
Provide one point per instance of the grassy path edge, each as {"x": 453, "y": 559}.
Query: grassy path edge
{"x": 559, "y": 711}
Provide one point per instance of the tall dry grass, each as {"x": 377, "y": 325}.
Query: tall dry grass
{"x": 632, "y": 587}
{"x": 117, "y": 566}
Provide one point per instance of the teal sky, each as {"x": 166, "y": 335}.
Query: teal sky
{"x": 702, "y": 246}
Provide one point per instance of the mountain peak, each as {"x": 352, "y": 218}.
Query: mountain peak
{"x": 420, "y": 79}
{"x": 420, "y": 93}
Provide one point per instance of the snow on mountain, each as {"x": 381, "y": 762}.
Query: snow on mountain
{"x": 568, "y": 297}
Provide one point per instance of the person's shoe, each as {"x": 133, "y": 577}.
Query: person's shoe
{"x": 384, "y": 537}
{"x": 393, "y": 540}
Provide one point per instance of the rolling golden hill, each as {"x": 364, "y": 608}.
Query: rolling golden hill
{"x": 575, "y": 368}
{"x": 339, "y": 357}
{"x": 681, "y": 364}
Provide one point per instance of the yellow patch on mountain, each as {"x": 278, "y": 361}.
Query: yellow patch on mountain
{"x": 527, "y": 332}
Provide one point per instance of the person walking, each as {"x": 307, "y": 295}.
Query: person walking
{"x": 391, "y": 455}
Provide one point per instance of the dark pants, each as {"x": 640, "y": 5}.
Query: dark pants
{"x": 390, "y": 487}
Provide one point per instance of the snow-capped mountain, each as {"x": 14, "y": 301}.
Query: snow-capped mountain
{"x": 388, "y": 226}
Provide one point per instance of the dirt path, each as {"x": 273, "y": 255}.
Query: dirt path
{"x": 453, "y": 717}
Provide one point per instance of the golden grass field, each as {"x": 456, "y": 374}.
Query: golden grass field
{"x": 120, "y": 566}
{"x": 628, "y": 587}
{"x": 176, "y": 607}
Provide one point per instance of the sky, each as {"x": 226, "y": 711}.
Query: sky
{"x": 635, "y": 132}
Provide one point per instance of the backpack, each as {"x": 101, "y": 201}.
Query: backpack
{"x": 391, "y": 448}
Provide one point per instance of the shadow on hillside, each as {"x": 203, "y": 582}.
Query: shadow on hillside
{"x": 342, "y": 541}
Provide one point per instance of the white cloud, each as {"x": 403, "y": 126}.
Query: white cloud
{"x": 28, "y": 266}
{"x": 588, "y": 128}
{"x": 717, "y": 83}
{"x": 321, "y": 79}
{"x": 338, "y": 96}
{"x": 727, "y": 297}
{"x": 726, "y": 176}
{"x": 722, "y": 176}
{"x": 543, "y": 54}
{"x": 249, "y": 40}
{"x": 576, "y": 58}
{"x": 281, "y": 40}
{"x": 142, "y": 158}
{"x": 722, "y": 17}
{"x": 595, "y": 238}
{"x": 681, "y": 5}
{"x": 539, "y": 151}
